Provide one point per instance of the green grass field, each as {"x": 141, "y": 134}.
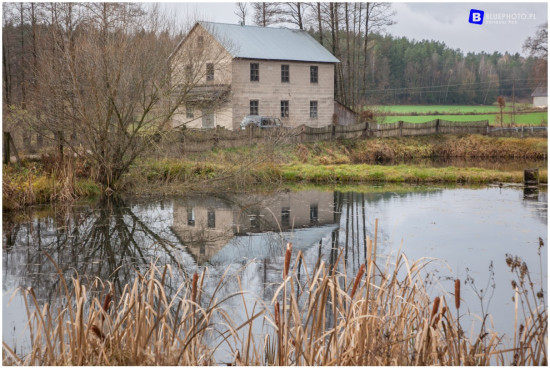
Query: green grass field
{"x": 445, "y": 109}
{"x": 534, "y": 118}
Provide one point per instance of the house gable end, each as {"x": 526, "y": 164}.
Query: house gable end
{"x": 195, "y": 32}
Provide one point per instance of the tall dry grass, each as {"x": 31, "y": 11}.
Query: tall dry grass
{"x": 382, "y": 316}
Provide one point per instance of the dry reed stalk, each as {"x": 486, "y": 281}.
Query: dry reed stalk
{"x": 375, "y": 239}
{"x": 387, "y": 325}
{"x": 457, "y": 294}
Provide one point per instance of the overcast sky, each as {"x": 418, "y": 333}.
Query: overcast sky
{"x": 445, "y": 22}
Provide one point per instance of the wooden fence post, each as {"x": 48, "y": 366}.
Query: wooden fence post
{"x": 8, "y": 145}
{"x": 436, "y": 126}
{"x": 522, "y": 131}
{"x": 400, "y": 128}
{"x": 333, "y": 131}
{"x": 7, "y": 148}
{"x": 531, "y": 177}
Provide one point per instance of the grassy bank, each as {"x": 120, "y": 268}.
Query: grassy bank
{"x": 450, "y": 109}
{"x": 446, "y": 109}
{"x": 343, "y": 161}
{"x": 396, "y": 174}
{"x": 528, "y": 119}
{"x": 382, "y": 316}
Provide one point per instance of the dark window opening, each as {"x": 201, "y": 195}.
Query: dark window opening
{"x": 254, "y": 72}
{"x": 255, "y": 222}
{"x": 285, "y": 216}
{"x": 209, "y": 72}
{"x": 313, "y": 213}
{"x": 254, "y": 107}
{"x": 189, "y": 112}
{"x": 188, "y": 73}
{"x": 312, "y": 109}
{"x": 191, "y": 216}
{"x": 211, "y": 218}
{"x": 314, "y": 74}
{"x": 202, "y": 249}
{"x": 285, "y": 74}
{"x": 284, "y": 109}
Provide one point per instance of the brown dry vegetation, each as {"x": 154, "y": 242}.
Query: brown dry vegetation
{"x": 385, "y": 318}
{"x": 277, "y": 163}
{"x": 408, "y": 148}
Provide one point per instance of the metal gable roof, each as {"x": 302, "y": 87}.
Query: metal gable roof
{"x": 250, "y": 42}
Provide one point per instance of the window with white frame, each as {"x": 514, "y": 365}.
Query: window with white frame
{"x": 313, "y": 109}
{"x": 314, "y": 74}
{"x": 284, "y": 108}
{"x": 285, "y": 73}
{"x": 254, "y": 72}
{"x": 254, "y": 107}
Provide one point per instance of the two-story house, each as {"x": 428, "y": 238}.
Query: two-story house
{"x": 234, "y": 70}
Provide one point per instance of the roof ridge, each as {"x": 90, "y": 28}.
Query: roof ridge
{"x": 252, "y": 26}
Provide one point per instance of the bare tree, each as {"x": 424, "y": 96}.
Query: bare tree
{"x": 241, "y": 11}
{"x": 538, "y": 45}
{"x": 266, "y": 14}
{"x": 315, "y": 16}
{"x": 501, "y": 104}
{"x": 107, "y": 74}
{"x": 295, "y": 13}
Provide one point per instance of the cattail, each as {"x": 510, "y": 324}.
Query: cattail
{"x": 194, "y": 287}
{"x": 97, "y": 332}
{"x": 360, "y": 273}
{"x": 106, "y": 305}
{"x": 435, "y": 307}
{"x": 287, "y": 259}
{"x": 107, "y": 302}
{"x": 457, "y": 294}
{"x": 277, "y": 317}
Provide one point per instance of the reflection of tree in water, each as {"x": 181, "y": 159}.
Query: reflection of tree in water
{"x": 109, "y": 242}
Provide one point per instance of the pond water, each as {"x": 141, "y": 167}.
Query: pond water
{"x": 467, "y": 230}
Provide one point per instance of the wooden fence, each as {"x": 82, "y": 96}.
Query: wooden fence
{"x": 201, "y": 140}
{"x": 191, "y": 140}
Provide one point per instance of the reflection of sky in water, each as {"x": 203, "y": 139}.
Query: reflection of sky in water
{"x": 466, "y": 228}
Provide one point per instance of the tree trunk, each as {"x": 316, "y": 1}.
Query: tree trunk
{"x": 6, "y": 74}
{"x": 348, "y": 57}
{"x": 320, "y": 24}
{"x": 299, "y": 12}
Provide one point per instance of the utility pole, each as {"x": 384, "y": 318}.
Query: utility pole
{"x": 514, "y": 102}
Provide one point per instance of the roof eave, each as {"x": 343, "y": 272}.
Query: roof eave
{"x": 289, "y": 60}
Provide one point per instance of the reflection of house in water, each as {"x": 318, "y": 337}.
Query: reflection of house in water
{"x": 205, "y": 224}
